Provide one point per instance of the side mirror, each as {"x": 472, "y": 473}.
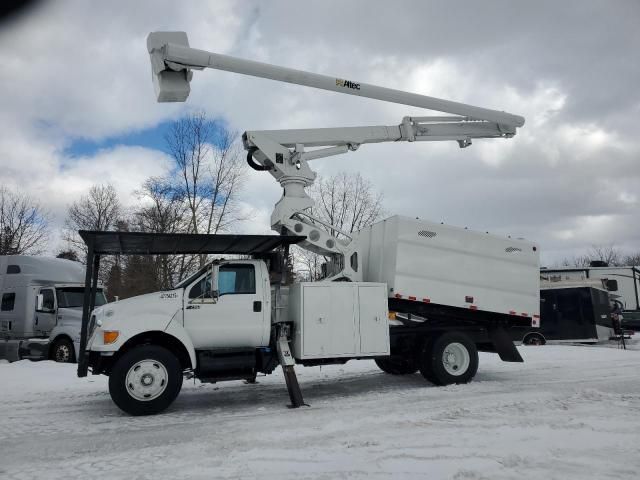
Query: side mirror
{"x": 39, "y": 301}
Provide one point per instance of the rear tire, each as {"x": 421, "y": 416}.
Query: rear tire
{"x": 397, "y": 365}
{"x": 145, "y": 380}
{"x": 450, "y": 358}
{"x": 62, "y": 351}
{"x": 534, "y": 339}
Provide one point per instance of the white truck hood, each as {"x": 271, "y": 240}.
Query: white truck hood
{"x": 153, "y": 311}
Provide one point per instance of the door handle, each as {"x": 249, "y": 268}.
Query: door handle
{"x": 36, "y": 320}
{"x": 257, "y": 306}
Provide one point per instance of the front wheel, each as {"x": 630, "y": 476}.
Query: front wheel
{"x": 145, "y": 380}
{"x": 62, "y": 351}
{"x": 450, "y": 358}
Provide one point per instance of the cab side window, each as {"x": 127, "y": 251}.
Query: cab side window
{"x": 47, "y": 299}
{"x": 236, "y": 279}
{"x": 8, "y": 302}
{"x": 202, "y": 289}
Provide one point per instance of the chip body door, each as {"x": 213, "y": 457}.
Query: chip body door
{"x": 374, "y": 324}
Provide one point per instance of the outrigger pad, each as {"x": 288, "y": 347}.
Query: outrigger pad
{"x": 295, "y": 394}
{"x": 504, "y": 345}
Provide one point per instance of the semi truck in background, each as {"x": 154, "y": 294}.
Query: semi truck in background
{"x": 40, "y": 311}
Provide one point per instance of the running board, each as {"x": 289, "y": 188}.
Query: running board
{"x": 288, "y": 368}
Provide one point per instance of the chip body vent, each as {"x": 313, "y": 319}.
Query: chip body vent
{"x": 512, "y": 249}
{"x": 426, "y": 234}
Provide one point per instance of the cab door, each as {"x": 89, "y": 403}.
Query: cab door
{"x": 46, "y": 315}
{"x": 224, "y": 308}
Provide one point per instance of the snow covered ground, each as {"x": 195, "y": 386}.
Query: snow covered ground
{"x": 567, "y": 412}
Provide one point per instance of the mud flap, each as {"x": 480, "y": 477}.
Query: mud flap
{"x": 504, "y": 345}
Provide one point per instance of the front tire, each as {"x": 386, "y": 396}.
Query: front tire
{"x": 397, "y": 365}
{"x": 145, "y": 380}
{"x": 450, "y": 358}
{"x": 62, "y": 351}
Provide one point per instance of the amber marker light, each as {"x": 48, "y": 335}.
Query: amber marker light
{"x": 110, "y": 336}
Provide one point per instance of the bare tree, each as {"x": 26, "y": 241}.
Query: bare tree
{"x": 226, "y": 174}
{"x": 632, "y": 260}
{"x": 210, "y": 171}
{"x": 346, "y": 201}
{"x": 188, "y": 143}
{"x": 576, "y": 261}
{"x": 99, "y": 210}
{"x": 24, "y": 224}
{"x": 608, "y": 254}
{"x": 163, "y": 210}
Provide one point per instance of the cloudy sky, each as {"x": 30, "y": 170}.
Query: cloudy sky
{"x": 78, "y": 105}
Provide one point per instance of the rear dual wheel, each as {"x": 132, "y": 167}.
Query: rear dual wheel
{"x": 450, "y": 358}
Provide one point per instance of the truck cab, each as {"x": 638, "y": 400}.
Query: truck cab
{"x": 225, "y": 304}
{"x": 215, "y": 324}
{"x": 41, "y": 310}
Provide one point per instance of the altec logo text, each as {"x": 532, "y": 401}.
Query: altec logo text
{"x": 347, "y": 84}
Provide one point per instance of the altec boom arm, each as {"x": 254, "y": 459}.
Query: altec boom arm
{"x": 284, "y": 154}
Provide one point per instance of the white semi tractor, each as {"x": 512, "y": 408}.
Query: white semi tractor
{"x": 411, "y": 294}
{"x": 40, "y": 311}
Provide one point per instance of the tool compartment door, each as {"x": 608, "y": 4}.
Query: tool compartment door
{"x": 329, "y": 320}
{"x": 374, "y": 325}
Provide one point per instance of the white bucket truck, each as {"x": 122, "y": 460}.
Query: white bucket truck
{"x": 411, "y": 294}
{"x": 40, "y": 311}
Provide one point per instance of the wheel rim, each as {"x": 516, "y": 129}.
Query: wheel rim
{"x": 147, "y": 380}
{"x": 456, "y": 359}
{"x": 63, "y": 353}
{"x": 535, "y": 341}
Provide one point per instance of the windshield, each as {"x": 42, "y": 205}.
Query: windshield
{"x": 69, "y": 297}
{"x": 190, "y": 279}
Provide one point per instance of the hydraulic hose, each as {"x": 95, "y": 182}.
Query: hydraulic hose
{"x": 253, "y": 164}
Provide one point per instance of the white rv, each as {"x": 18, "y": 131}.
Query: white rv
{"x": 41, "y": 307}
{"x": 626, "y": 285}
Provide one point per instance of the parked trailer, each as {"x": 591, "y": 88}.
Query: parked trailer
{"x": 40, "y": 315}
{"x": 570, "y": 314}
